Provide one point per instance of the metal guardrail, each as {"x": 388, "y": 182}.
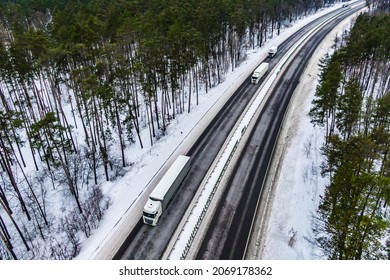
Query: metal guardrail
{"x": 239, "y": 132}
{"x": 206, "y": 205}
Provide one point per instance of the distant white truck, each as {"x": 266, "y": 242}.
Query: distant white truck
{"x": 259, "y": 72}
{"x": 272, "y": 51}
{"x": 165, "y": 189}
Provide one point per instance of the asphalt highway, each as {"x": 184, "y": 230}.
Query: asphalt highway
{"x": 226, "y": 239}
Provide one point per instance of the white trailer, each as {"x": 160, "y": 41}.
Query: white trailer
{"x": 272, "y": 51}
{"x": 165, "y": 189}
{"x": 259, "y": 72}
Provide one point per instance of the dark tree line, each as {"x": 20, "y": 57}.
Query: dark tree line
{"x": 80, "y": 80}
{"x": 352, "y": 103}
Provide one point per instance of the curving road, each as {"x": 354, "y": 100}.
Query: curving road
{"x": 145, "y": 242}
{"x": 227, "y": 238}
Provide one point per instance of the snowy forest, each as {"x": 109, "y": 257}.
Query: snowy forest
{"x": 80, "y": 79}
{"x": 353, "y": 105}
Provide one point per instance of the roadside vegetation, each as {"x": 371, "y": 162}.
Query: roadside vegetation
{"x": 352, "y": 103}
{"x": 81, "y": 79}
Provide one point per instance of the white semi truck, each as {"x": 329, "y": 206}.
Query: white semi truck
{"x": 165, "y": 189}
{"x": 272, "y": 51}
{"x": 259, "y": 72}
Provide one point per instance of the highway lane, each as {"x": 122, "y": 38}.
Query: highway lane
{"x": 147, "y": 242}
{"x": 227, "y": 237}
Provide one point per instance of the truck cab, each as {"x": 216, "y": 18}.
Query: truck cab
{"x": 255, "y": 77}
{"x": 152, "y": 212}
{"x": 272, "y": 51}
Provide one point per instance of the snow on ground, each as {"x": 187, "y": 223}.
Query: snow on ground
{"x": 299, "y": 183}
{"x": 129, "y": 193}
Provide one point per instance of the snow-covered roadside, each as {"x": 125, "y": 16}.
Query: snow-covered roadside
{"x": 296, "y": 183}
{"x": 129, "y": 193}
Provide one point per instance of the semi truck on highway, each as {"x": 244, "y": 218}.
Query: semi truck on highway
{"x": 165, "y": 189}
{"x": 259, "y": 72}
{"x": 272, "y": 51}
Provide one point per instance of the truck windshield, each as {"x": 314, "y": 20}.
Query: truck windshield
{"x": 149, "y": 215}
